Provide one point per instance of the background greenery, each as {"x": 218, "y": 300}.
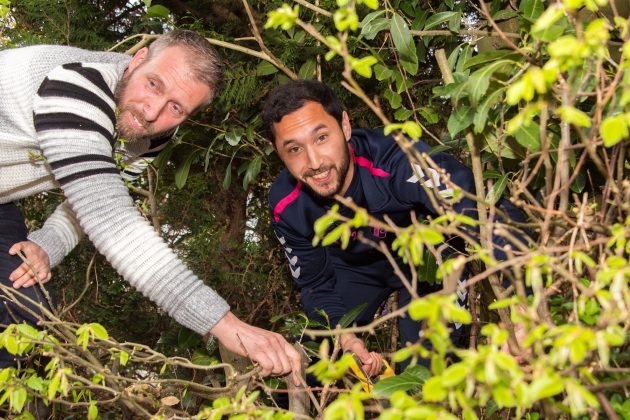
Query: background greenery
{"x": 532, "y": 94}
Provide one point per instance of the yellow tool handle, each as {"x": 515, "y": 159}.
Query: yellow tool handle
{"x": 366, "y": 381}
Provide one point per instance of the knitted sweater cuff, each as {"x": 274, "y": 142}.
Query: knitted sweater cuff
{"x": 49, "y": 243}
{"x": 59, "y": 235}
{"x": 202, "y": 310}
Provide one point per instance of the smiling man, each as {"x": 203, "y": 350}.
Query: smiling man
{"x": 62, "y": 113}
{"x": 324, "y": 156}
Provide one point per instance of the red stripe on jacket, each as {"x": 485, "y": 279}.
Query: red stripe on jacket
{"x": 282, "y": 204}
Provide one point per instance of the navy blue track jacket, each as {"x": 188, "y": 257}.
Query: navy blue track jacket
{"x": 384, "y": 183}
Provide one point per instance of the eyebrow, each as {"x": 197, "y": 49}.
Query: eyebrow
{"x": 313, "y": 131}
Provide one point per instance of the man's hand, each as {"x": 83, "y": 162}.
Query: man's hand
{"x": 23, "y": 276}
{"x": 372, "y": 361}
{"x": 270, "y": 350}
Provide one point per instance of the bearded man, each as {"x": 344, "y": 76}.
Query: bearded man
{"x": 62, "y": 111}
{"x": 324, "y": 157}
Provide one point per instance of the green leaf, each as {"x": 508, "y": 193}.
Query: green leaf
{"x": 402, "y": 114}
{"x": 123, "y": 356}
{"x": 227, "y": 179}
{"x": 412, "y": 129}
{"x": 504, "y": 14}
{"x": 545, "y": 386}
{"x": 460, "y": 120}
{"x": 503, "y": 396}
{"x": 428, "y": 269}
{"x": 394, "y": 99}
{"x": 429, "y": 114}
{"x": 234, "y": 135}
{"x": 99, "y": 331}
{"x": 421, "y": 309}
{"x": 265, "y": 68}
{"x": 410, "y": 380}
{"x": 253, "y": 169}
{"x": 439, "y": 18}
{"x": 182, "y": 172}
{"x": 497, "y": 189}
{"x": 491, "y": 57}
{"x": 334, "y": 235}
{"x": 481, "y": 116}
{"x": 35, "y": 383}
{"x": 159, "y": 11}
{"x": 614, "y": 129}
{"x": 463, "y": 58}
{"x": 93, "y": 410}
{"x": 531, "y": 9}
{"x": 187, "y": 338}
{"x": 454, "y": 22}
{"x": 548, "y": 17}
{"x": 433, "y": 390}
{"x": 348, "y": 318}
{"x": 528, "y": 136}
{"x": 53, "y": 386}
{"x": 480, "y": 79}
{"x": 284, "y": 17}
{"x": 382, "y": 72}
{"x": 403, "y": 41}
{"x": 307, "y": 70}
{"x": 574, "y": 116}
{"x": 202, "y": 358}
{"x": 17, "y": 399}
{"x": 372, "y": 24}
{"x": 363, "y": 66}
{"x": 454, "y": 374}
{"x": 411, "y": 65}
{"x": 372, "y": 4}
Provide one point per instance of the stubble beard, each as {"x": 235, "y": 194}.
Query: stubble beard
{"x": 124, "y": 128}
{"x": 342, "y": 173}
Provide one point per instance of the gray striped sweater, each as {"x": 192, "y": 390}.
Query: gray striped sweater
{"x": 57, "y": 124}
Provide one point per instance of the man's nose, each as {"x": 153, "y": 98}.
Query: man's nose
{"x": 152, "y": 109}
{"x": 314, "y": 159}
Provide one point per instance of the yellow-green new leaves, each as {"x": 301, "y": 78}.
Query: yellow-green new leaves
{"x": 59, "y": 383}
{"x": 614, "y": 129}
{"x": 284, "y": 17}
{"x": 19, "y": 338}
{"x": 325, "y": 369}
{"x": 437, "y": 308}
{"x": 533, "y": 81}
{"x": 5, "y": 8}
{"x": 347, "y": 403}
{"x": 411, "y": 241}
{"x": 342, "y": 231}
{"x": 363, "y": 66}
{"x": 346, "y": 18}
{"x": 548, "y": 18}
{"x": 89, "y": 331}
{"x": 574, "y": 116}
{"x": 592, "y": 5}
{"x": 410, "y": 128}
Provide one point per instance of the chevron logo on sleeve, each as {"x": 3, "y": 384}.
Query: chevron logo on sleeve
{"x": 293, "y": 259}
{"x": 431, "y": 182}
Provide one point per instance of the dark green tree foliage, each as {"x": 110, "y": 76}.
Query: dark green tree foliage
{"x": 532, "y": 95}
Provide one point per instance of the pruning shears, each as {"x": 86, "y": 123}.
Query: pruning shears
{"x": 368, "y": 382}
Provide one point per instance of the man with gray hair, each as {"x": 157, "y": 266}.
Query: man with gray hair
{"x": 62, "y": 111}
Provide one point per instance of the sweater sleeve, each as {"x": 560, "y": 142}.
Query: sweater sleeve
{"x": 74, "y": 115}
{"x": 59, "y": 235}
{"x": 61, "y": 231}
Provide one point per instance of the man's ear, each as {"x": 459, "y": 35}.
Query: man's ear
{"x": 138, "y": 58}
{"x": 345, "y": 125}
